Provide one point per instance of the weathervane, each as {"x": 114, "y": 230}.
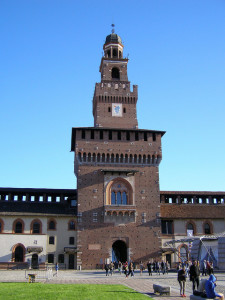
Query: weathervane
{"x": 113, "y": 30}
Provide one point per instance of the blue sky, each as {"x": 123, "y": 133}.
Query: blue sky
{"x": 50, "y": 55}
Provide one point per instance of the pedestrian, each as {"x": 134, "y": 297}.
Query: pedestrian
{"x": 106, "y": 269}
{"x": 209, "y": 271}
{"x": 111, "y": 267}
{"x": 194, "y": 274}
{"x": 210, "y": 289}
{"x": 131, "y": 269}
{"x": 204, "y": 268}
{"x": 149, "y": 267}
{"x": 157, "y": 267}
{"x": 57, "y": 269}
{"x": 181, "y": 277}
{"x": 119, "y": 267}
{"x": 167, "y": 267}
{"x": 141, "y": 268}
{"x": 126, "y": 269}
{"x": 163, "y": 267}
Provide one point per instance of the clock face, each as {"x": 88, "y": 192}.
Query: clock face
{"x": 116, "y": 110}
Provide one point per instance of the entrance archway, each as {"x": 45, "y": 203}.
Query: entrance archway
{"x": 119, "y": 251}
{"x": 19, "y": 254}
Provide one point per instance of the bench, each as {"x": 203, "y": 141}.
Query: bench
{"x": 162, "y": 290}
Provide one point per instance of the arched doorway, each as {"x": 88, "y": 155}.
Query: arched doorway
{"x": 119, "y": 251}
{"x": 34, "y": 261}
{"x": 19, "y": 255}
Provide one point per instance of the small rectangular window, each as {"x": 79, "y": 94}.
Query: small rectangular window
{"x": 136, "y": 136}
{"x": 110, "y": 135}
{"x": 128, "y": 135}
{"x": 154, "y": 137}
{"x": 145, "y": 136}
{"x": 71, "y": 240}
{"x": 119, "y": 135}
{"x": 167, "y": 227}
{"x": 92, "y": 134}
{"x": 83, "y": 134}
{"x": 51, "y": 240}
{"x": 101, "y": 135}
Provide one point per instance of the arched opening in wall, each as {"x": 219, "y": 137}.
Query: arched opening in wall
{"x": 119, "y": 192}
{"x": 18, "y": 253}
{"x": 115, "y": 53}
{"x": 119, "y": 251}
{"x": 115, "y": 73}
{"x": 207, "y": 228}
{"x": 34, "y": 261}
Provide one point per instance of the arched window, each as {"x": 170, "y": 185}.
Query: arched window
{"x": 191, "y": 227}
{"x": 52, "y": 225}
{"x": 115, "y": 53}
{"x": 207, "y": 228}
{"x": 119, "y": 192}
{"x": 115, "y": 73}
{"x": 18, "y": 226}
{"x": 36, "y": 227}
{"x": 18, "y": 253}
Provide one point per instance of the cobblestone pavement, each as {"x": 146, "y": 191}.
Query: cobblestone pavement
{"x": 141, "y": 283}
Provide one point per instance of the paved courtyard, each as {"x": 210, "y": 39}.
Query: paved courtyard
{"x": 141, "y": 283}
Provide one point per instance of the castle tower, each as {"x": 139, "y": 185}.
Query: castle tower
{"x": 116, "y": 166}
{"x": 114, "y": 105}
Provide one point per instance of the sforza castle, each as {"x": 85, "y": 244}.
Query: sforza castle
{"x": 117, "y": 212}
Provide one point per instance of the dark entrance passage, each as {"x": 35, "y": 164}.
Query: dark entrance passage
{"x": 19, "y": 254}
{"x": 34, "y": 261}
{"x": 71, "y": 261}
{"x": 119, "y": 251}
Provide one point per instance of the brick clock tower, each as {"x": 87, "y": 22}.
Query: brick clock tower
{"x": 116, "y": 165}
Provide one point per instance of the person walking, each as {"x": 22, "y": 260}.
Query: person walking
{"x": 106, "y": 269}
{"x": 131, "y": 269}
{"x": 111, "y": 267}
{"x": 149, "y": 267}
{"x": 181, "y": 277}
{"x": 204, "y": 268}
{"x": 194, "y": 274}
{"x": 141, "y": 268}
{"x": 119, "y": 267}
{"x": 163, "y": 267}
{"x": 157, "y": 267}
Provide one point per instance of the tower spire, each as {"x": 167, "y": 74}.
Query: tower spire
{"x": 113, "y": 30}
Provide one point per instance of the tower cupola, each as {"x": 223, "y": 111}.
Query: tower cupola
{"x": 113, "y": 47}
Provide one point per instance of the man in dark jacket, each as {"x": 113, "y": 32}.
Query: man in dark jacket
{"x": 210, "y": 288}
{"x": 194, "y": 274}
